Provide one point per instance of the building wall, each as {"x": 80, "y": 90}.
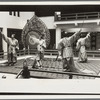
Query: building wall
{"x": 71, "y": 26}
{"x": 14, "y": 22}
{"x": 49, "y": 21}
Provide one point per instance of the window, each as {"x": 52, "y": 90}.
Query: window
{"x": 14, "y": 13}
{"x": 18, "y": 14}
{"x": 10, "y": 13}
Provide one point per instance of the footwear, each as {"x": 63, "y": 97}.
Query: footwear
{"x": 34, "y": 67}
{"x": 40, "y": 67}
{"x": 64, "y": 67}
{"x": 12, "y": 64}
{"x": 67, "y": 70}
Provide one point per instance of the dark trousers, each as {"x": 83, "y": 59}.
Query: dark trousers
{"x": 12, "y": 58}
{"x": 66, "y": 64}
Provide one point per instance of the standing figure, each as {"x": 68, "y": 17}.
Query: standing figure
{"x": 41, "y": 45}
{"x": 40, "y": 49}
{"x": 81, "y": 47}
{"x": 13, "y": 46}
{"x": 66, "y": 51}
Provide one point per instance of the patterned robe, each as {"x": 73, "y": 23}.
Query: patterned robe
{"x": 12, "y": 46}
{"x": 65, "y": 45}
{"x": 81, "y": 46}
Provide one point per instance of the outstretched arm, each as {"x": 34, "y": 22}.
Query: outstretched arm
{"x": 78, "y": 45}
{"x": 44, "y": 44}
{"x": 4, "y": 37}
{"x": 88, "y": 35}
{"x": 74, "y": 37}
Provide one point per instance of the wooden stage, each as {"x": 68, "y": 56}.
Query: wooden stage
{"x": 53, "y": 69}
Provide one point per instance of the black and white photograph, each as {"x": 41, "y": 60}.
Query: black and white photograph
{"x": 50, "y": 48}
{"x": 50, "y": 42}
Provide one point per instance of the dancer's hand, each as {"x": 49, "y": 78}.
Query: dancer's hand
{"x": 89, "y": 34}
{"x": 23, "y": 48}
{"x": 80, "y": 30}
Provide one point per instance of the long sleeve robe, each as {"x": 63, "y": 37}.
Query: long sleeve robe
{"x": 65, "y": 45}
{"x": 12, "y": 44}
{"x": 41, "y": 45}
{"x": 81, "y": 45}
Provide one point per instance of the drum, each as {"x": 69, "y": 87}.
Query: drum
{"x": 34, "y": 28}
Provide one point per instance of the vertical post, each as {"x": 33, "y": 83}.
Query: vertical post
{"x": 4, "y": 43}
{"x": 58, "y": 35}
{"x": 24, "y": 51}
{"x": 28, "y": 50}
{"x": 76, "y": 16}
{"x": 98, "y": 14}
{"x": 70, "y": 76}
{"x": 57, "y": 16}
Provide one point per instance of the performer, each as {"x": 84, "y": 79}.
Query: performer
{"x": 41, "y": 45}
{"x": 40, "y": 48}
{"x": 81, "y": 47}
{"x": 13, "y": 46}
{"x": 64, "y": 46}
{"x": 25, "y": 73}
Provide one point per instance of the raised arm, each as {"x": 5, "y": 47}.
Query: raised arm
{"x": 78, "y": 45}
{"x": 59, "y": 46}
{"x": 88, "y": 35}
{"x": 4, "y": 37}
{"x": 44, "y": 44}
{"x": 74, "y": 37}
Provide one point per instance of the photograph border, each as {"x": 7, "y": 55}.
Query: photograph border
{"x": 5, "y": 84}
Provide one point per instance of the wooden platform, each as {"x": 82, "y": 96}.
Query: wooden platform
{"x": 52, "y": 65}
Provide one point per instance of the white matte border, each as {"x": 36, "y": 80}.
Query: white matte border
{"x": 52, "y": 3}
{"x": 51, "y": 85}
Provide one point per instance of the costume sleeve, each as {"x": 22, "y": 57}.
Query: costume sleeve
{"x": 6, "y": 39}
{"x": 87, "y": 36}
{"x": 78, "y": 45}
{"x": 74, "y": 37}
{"x": 59, "y": 47}
{"x": 17, "y": 44}
{"x": 44, "y": 44}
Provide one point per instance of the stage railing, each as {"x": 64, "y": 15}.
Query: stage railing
{"x": 77, "y": 16}
{"x": 69, "y": 75}
{"x": 3, "y": 55}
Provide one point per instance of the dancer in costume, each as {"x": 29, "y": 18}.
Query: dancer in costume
{"x": 66, "y": 51}
{"x": 41, "y": 45}
{"x": 13, "y": 46}
{"x": 81, "y": 47}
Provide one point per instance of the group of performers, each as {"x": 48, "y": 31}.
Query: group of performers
{"x": 64, "y": 50}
